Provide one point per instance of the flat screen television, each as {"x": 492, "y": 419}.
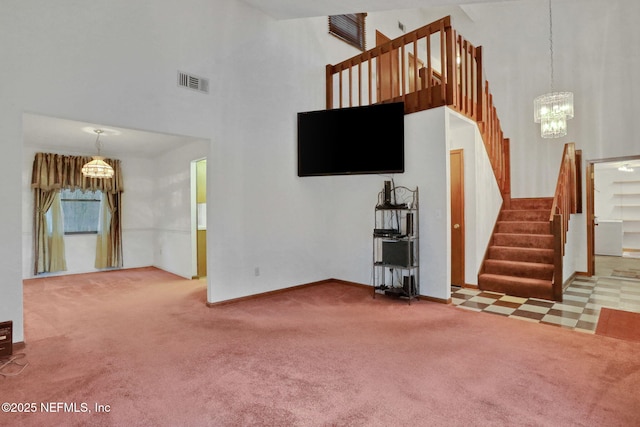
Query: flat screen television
{"x": 354, "y": 140}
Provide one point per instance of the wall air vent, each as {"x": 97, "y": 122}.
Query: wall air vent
{"x": 193, "y": 82}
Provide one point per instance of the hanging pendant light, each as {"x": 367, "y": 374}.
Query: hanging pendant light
{"x": 97, "y": 168}
{"x": 553, "y": 109}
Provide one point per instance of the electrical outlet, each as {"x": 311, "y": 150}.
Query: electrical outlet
{"x": 401, "y": 26}
{"x": 256, "y": 271}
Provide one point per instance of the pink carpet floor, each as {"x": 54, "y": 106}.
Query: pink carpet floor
{"x": 143, "y": 344}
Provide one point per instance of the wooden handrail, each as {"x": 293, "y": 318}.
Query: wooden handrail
{"x": 420, "y": 45}
{"x": 435, "y": 67}
{"x": 565, "y": 203}
{"x": 564, "y": 199}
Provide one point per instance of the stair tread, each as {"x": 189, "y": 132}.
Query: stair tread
{"x": 504, "y": 278}
{"x": 523, "y": 234}
{"x": 502, "y": 221}
{"x": 522, "y": 263}
{"x": 527, "y": 210}
{"x": 521, "y": 248}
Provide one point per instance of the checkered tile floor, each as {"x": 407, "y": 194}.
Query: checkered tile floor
{"x": 579, "y": 310}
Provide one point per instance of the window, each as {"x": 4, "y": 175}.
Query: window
{"x": 81, "y": 210}
{"x": 349, "y": 28}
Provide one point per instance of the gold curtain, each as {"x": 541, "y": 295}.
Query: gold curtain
{"x": 102, "y": 240}
{"x": 114, "y": 254}
{"x": 109, "y": 241}
{"x": 42, "y": 201}
{"x": 55, "y": 171}
{"x": 57, "y": 258}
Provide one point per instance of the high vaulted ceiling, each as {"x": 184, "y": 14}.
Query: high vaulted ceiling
{"x": 289, "y": 9}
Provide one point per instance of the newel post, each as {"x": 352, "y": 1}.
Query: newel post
{"x": 479, "y": 84}
{"x": 329, "y": 85}
{"x": 558, "y": 245}
{"x": 452, "y": 79}
{"x": 506, "y": 170}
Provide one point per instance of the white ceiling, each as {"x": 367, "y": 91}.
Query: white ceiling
{"x": 288, "y": 9}
{"x": 74, "y": 137}
{"x": 632, "y": 162}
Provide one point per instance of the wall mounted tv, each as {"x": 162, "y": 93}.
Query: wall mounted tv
{"x": 354, "y": 140}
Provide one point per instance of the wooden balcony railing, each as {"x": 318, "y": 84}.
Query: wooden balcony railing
{"x": 430, "y": 67}
{"x": 565, "y": 203}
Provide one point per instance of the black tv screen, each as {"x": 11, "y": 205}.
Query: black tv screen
{"x": 354, "y": 140}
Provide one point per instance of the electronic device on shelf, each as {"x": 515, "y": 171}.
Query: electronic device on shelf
{"x": 6, "y": 338}
{"x": 393, "y": 206}
{"x": 386, "y": 232}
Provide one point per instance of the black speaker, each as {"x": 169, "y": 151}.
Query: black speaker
{"x": 409, "y": 225}
{"x": 409, "y": 284}
{"x": 6, "y": 338}
{"x": 398, "y": 253}
{"x": 387, "y": 192}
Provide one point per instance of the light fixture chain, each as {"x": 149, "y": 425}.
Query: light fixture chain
{"x": 98, "y": 142}
{"x": 551, "y": 43}
{"x": 553, "y": 109}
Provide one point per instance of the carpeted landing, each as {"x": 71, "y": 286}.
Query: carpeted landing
{"x": 144, "y": 343}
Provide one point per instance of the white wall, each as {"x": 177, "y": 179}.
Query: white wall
{"x": 137, "y": 212}
{"x": 574, "y": 259}
{"x": 427, "y": 165}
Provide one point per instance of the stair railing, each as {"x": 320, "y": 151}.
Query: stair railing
{"x": 430, "y": 67}
{"x": 421, "y": 62}
{"x": 565, "y": 202}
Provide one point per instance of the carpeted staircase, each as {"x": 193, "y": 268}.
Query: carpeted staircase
{"x": 520, "y": 257}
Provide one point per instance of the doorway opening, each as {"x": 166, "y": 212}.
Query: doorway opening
{"x": 199, "y": 217}
{"x": 613, "y": 221}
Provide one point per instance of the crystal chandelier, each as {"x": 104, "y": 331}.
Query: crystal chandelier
{"x": 553, "y": 109}
{"x": 97, "y": 168}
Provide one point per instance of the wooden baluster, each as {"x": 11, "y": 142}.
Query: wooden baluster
{"x": 429, "y": 75}
{"x": 450, "y": 61}
{"x": 370, "y": 74}
{"x": 404, "y": 71}
{"x": 462, "y": 89}
{"x": 415, "y": 63}
{"x": 390, "y": 56}
{"x": 443, "y": 59}
{"x": 350, "y": 87}
{"x": 359, "y": 83}
{"x": 340, "y": 88}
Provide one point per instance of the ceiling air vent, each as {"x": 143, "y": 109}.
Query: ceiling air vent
{"x": 193, "y": 82}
